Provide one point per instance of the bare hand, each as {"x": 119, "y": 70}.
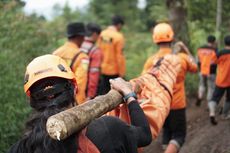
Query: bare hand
{"x": 121, "y": 86}
{"x": 182, "y": 47}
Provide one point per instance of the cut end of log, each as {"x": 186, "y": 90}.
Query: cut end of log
{"x": 56, "y": 129}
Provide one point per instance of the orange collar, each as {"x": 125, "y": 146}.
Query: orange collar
{"x": 71, "y": 44}
{"x": 165, "y": 51}
{"x": 112, "y": 28}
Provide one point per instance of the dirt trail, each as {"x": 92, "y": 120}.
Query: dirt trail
{"x": 202, "y": 137}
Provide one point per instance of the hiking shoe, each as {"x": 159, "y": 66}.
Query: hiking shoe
{"x": 198, "y": 102}
{"x": 225, "y": 117}
{"x": 213, "y": 120}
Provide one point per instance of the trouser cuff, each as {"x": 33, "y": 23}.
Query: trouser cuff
{"x": 175, "y": 143}
{"x": 212, "y": 108}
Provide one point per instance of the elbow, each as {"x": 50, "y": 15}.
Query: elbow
{"x": 148, "y": 137}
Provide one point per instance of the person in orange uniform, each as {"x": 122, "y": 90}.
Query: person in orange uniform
{"x": 77, "y": 60}
{"x": 163, "y": 36}
{"x": 206, "y": 57}
{"x": 174, "y": 130}
{"x": 111, "y": 43}
{"x": 222, "y": 82}
{"x": 90, "y": 47}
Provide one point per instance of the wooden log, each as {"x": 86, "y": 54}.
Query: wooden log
{"x": 63, "y": 124}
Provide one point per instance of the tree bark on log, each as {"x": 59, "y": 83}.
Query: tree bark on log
{"x": 63, "y": 124}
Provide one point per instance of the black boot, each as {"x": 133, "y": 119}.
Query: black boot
{"x": 198, "y": 102}
{"x": 213, "y": 120}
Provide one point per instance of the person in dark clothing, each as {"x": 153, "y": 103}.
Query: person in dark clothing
{"x": 51, "y": 86}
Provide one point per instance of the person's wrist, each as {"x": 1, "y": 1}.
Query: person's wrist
{"x": 130, "y": 96}
{"x": 130, "y": 99}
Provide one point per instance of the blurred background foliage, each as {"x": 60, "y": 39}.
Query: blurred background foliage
{"x": 24, "y": 37}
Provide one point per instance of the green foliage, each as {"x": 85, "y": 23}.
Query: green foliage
{"x": 197, "y": 11}
{"x": 138, "y": 48}
{"x": 191, "y": 85}
{"x": 156, "y": 11}
{"x": 21, "y": 39}
{"x": 103, "y": 11}
{"x": 198, "y": 36}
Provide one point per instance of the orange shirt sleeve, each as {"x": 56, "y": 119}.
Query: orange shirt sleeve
{"x": 80, "y": 68}
{"x": 119, "y": 46}
{"x": 191, "y": 64}
{"x": 214, "y": 58}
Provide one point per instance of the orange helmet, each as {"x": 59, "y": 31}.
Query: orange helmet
{"x": 162, "y": 32}
{"x": 46, "y": 66}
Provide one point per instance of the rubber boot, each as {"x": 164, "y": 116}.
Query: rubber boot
{"x": 171, "y": 148}
{"x": 212, "y": 110}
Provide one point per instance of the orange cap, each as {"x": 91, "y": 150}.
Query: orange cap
{"x": 162, "y": 32}
{"x": 46, "y": 66}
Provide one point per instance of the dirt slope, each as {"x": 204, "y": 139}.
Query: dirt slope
{"x": 202, "y": 137}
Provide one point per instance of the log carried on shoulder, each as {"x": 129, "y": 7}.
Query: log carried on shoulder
{"x": 63, "y": 124}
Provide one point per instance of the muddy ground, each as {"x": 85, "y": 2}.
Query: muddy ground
{"x": 202, "y": 137}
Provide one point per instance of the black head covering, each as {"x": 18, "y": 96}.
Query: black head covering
{"x": 76, "y": 29}
{"x": 93, "y": 27}
{"x": 117, "y": 19}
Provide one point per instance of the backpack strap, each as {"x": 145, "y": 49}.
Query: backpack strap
{"x": 74, "y": 59}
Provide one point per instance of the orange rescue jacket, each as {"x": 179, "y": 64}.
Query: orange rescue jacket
{"x": 179, "y": 96}
{"x": 111, "y": 42}
{"x": 79, "y": 66}
{"x": 161, "y": 53}
{"x": 223, "y": 68}
{"x": 206, "y": 59}
{"x": 154, "y": 91}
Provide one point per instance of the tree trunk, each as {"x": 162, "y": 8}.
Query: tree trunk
{"x": 63, "y": 124}
{"x": 177, "y": 18}
{"x": 218, "y": 20}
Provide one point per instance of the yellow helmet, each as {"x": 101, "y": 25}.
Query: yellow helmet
{"x": 46, "y": 66}
{"x": 162, "y": 32}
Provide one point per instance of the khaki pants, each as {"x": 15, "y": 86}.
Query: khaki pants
{"x": 206, "y": 83}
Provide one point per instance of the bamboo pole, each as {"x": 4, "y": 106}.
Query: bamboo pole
{"x": 63, "y": 124}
